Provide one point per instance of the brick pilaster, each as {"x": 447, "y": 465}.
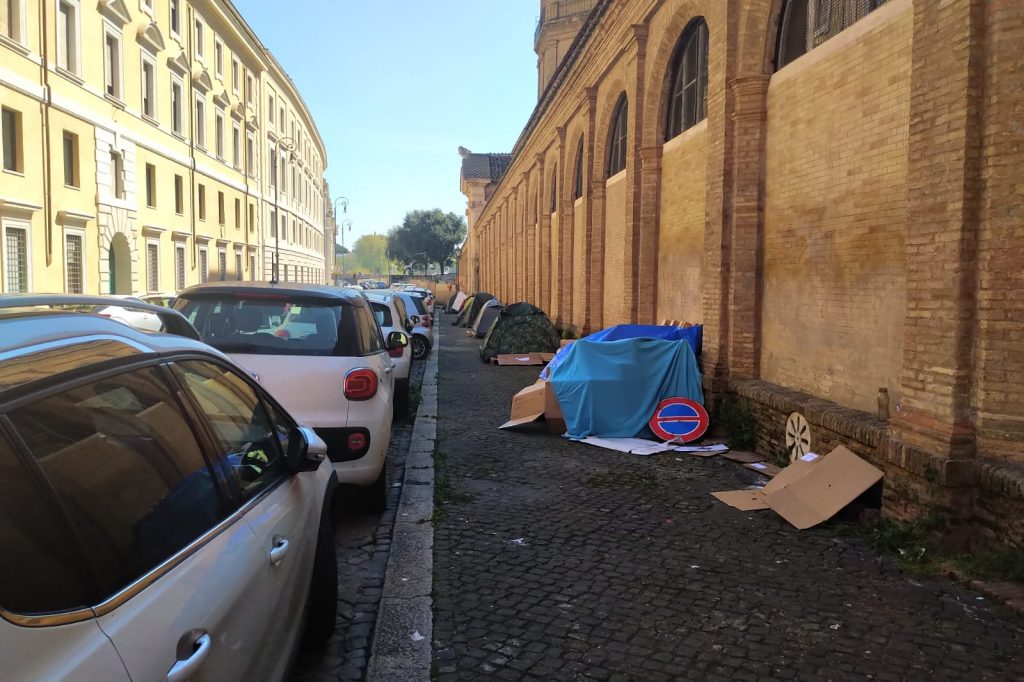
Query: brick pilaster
{"x": 943, "y": 195}
{"x": 631, "y": 261}
{"x": 748, "y": 143}
{"x": 999, "y": 350}
{"x": 649, "y": 226}
{"x": 563, "y": 287}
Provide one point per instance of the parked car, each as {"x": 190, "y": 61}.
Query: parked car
{"x": 165, "y": 300}
{"x": 390, "y": 313}
{"x": 428, "y": 297}
{"x": 422, "y": 326}
{"x": 133, "y": 317}
{"x": 161, "y": 515}
{"x": 319, "y": 350}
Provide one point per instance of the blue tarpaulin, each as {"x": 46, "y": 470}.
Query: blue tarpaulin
{"x": 611, "y": 388}
{"x": 694, "y": 335}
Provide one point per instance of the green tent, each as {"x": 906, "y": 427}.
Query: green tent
{"x": 520, "y": 328}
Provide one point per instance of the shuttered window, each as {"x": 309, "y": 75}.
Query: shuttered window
{"x": 153, "y": 267}
{"x": 73, "y": 263}
{"x": 16, "y": 260}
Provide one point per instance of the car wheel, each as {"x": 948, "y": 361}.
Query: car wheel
{"x": 376, "y": 495}
{"x": 322, "y": 604}
{"x": 420, "y": 347}
{"x": 401, "y": 397}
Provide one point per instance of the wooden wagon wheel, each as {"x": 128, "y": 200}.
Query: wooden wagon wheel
{"x": 798, "y": 436}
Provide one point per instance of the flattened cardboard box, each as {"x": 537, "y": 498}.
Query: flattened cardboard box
{"x": 523, "y": 359}
{"x": 810, "y": 490}
{"x": 534, "y": 402}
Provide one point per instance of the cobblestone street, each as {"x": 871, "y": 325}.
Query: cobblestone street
{"x": 557, "y": 560}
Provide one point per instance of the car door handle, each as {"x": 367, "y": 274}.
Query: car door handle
{"x": 184, "y": 670}
{"x": 279, "y": 551}
{"x": 387, "y": 370}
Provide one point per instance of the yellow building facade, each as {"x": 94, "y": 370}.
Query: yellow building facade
{"x": 143, "y": 141}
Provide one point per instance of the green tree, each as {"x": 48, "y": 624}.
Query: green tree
{"x": 369, "y": 255}
{"x": 426, "y": 237}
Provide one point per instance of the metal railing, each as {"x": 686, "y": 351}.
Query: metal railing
{"x": 562, "y": 10}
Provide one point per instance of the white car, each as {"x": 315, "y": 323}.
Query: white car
{"x": 422, "y": 326}
{"x": 162, "y": 516}
{"x": 389, "y": 310}
{"x": 125, "y": 314}
{"x": 319, "y": 350}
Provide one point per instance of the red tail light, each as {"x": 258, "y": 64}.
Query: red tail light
{"x": 360, "y": 384}
{"x": 426, "y": 320}
{"x": 356, "y": 441}
{"x": 396, "y": 352}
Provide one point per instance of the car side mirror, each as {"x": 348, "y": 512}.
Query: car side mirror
{"x": 306, "y": 450}
{"x": 397, "y": 340}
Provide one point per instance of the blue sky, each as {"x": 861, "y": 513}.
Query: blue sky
{"x": 395, "y": 87}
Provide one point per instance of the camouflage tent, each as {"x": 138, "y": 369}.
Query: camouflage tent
{"x": 520, "y": 328}
{"x": 488, "y": 314}
{"x": 472, "y": 308}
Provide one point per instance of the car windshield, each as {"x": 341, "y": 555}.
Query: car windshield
{"x": 269, "y": 325}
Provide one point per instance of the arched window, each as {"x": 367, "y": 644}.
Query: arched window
{"x": 688, "y": 93}
{"x": 577, "y": 190}
{"x": 617, "y": 138}
{"x": 554, "y": 190}
{"x": 792, "y": 32}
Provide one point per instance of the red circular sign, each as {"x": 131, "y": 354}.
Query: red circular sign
{"x": 679, "y": 419}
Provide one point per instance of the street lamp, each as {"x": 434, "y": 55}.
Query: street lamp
{"x": 341, "y": 230}
{"x": 289, "y": 145}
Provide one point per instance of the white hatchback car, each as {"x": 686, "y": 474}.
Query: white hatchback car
{"x": 390, "y": 313}
{"x": 319, "y": 350}
{"x": 161, "y": 515}
{"x": 422, "y": 324}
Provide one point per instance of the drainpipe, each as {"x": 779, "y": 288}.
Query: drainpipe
{"x": 45, "y": 106}
{"x": 189, "y": 30}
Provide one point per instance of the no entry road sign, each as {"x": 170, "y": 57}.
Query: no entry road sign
{"x": 679, "y": 419}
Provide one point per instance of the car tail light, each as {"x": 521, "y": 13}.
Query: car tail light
{"x": 356, "y": 441}
{"x": 360, "y": 384}
{"x": 426, "y": 320}
{"x": 396, "y": 352}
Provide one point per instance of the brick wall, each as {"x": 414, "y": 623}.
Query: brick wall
{"x": 681, "y": 238}
{"x": 846, "y": 223}
{"x": 835, "y": 215}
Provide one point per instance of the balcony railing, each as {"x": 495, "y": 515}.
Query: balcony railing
{"x": 562, "y": 10}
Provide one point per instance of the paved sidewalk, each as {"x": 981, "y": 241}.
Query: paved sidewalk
{"x": 555, "y": 560}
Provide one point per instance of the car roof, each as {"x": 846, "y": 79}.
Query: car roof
{"x": 36, "y": 345}
{"x": 342, "y": 295}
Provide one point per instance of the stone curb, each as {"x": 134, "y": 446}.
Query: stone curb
{"x": 401, "y": 647}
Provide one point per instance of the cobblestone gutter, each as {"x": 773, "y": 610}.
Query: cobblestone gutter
{"x": 401, "y": 648}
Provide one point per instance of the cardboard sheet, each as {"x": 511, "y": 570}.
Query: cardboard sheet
{"x": 534, "y": 402}
{"x": 744, "y": 500}
{"x": 743, "y": 457}
{"x": 812, "y": 489}
{"x": 712, "y": 448}
{"x": 633, "y": 446}
{"x": 527, "y": 406}
{"x": 828, "y": 486}
{"x": 460, "y": 300}
{"x": 766, "y": 468}
{"x": 523, "y": 359}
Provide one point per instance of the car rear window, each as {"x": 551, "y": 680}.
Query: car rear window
{"x": 382, "y": 312}
{"x": 418, "y": 302}
{"x": 262, "y": 324}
